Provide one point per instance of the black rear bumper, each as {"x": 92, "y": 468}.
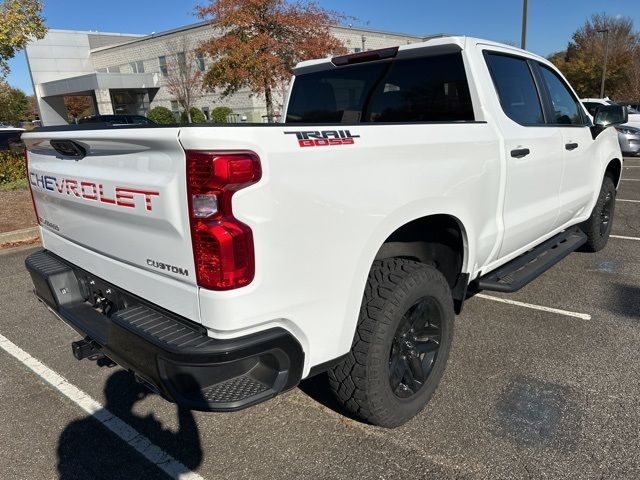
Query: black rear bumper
{"x": 172, "y": 355}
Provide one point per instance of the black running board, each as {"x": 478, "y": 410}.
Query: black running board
{"x": 527, "y": 267}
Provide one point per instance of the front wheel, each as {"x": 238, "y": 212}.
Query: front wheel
{"x": 401, "y": 344}
{"x": 598, "y": 226}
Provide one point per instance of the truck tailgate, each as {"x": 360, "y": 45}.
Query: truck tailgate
{"x": 125, "y": 198}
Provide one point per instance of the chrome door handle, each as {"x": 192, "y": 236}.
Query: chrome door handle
{"x": 520, "y": 152}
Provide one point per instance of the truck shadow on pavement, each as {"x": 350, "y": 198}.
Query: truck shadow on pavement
{"x": 86, "y": 449}
{"x": 317, "y": 388}
{"x": 626, "y": 300}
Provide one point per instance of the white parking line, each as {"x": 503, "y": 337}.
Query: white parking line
{"x": 630, "y": 179}
{"x": 631, "y": 201}
{"x": 583, "y": 316}
{"x": 128, "y": 434}
{"x": 624, "y": 238}
{"x": 631, "y": 166}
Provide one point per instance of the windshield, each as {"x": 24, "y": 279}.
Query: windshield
{"x": 630, "y": 109}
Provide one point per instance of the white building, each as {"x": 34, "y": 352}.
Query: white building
{"x": 125, "y": 73}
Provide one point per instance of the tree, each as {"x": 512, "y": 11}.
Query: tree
{"x": 20, "y": 22}
{"x": 78, "y": 105}
{"x": 14, "y": 104}
{"x": 34, "y": 113}
{"x": 262, "y": 40}
{"x": 582, "y": 62}
{"x": 184, "y": 78}
{"x": 161, "y": 115}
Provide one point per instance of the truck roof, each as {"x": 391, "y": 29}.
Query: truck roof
{"x": 439, "y": 40}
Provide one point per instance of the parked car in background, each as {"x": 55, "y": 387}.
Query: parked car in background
{"x": 117, "y": 119}
{"x": 9, "y": 134}
{"x": 633, "y": 104}
{"x": 628, "y": 135}
{"x": 592, "y": 103}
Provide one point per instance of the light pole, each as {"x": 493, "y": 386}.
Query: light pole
{"x": 606, "y": 57}
{"x": 523, "y": 42}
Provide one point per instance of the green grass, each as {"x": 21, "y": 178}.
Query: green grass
{"x": 20, "y": 184}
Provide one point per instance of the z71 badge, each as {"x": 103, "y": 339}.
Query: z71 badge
{"x": 324, "y": 138}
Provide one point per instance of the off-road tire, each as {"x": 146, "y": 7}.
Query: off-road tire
{"x": 361, "y": 383}
{"x": 597, "y": 235}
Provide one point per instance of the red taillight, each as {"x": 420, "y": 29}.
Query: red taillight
{"x": 222, "y": 245}
{"x": 33, "y": 200}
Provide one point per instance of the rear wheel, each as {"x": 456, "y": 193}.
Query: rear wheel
{"x": 401, "y": 344}
{"x": 598, "y": 227}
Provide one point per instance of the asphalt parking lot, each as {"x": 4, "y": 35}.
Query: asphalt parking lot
{"x": 545, "y": 386}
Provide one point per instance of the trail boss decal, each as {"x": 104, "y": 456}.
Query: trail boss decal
{"x": 324, "y": 138}
{"x": 95, "y": 192}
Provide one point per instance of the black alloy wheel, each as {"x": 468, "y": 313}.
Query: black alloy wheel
{"x": 605, "y": 213}
{"x": 415, "y": 348}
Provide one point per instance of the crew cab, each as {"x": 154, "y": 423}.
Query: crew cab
{"x": 223, "y": 264}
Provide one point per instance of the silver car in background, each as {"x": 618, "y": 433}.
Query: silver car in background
{"x": 628, "y": 136}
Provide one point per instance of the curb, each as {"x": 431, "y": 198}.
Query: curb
{"x": 19, "y": 235}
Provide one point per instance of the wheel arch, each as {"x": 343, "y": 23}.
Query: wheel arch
{"x": 437, "y": 239}
{"x": 614, "y": 170}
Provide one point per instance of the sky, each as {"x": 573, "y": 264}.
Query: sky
{"x": 550, "y": 25}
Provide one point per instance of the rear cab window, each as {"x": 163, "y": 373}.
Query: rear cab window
{"x": 422, "y": 89}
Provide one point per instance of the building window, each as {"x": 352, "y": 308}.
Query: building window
{"x": 357, "y": 50}
{"x": 200, "y": 61}
{"x": 102, "y": 70}
{"x": 205, "y": 111}
{"x": 162, "y": 63}
{"x": 113, "y": 69}
{"x": 137, "y": 67}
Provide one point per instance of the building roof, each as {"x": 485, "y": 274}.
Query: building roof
{"x": 194, "y": 26}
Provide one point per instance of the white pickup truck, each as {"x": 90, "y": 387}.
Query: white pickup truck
{"x": 222, "y": 264}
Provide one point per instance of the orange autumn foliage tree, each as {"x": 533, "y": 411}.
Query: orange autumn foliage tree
{"x": 78, "y": 105}
{"x": 261, "y": 42}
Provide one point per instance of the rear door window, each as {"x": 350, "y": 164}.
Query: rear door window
{"x": 424, "y": 89}
{"x": 516, "y": 88}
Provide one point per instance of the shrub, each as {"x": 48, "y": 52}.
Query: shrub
{"x": 161, "y": 115}
{"x": 196, "y": 116}
{"x": 12, "y": 167}
{"x": 220, "y": 114}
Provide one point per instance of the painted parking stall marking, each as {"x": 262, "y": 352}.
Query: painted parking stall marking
{"x": 567, "y": 313}
{"x": 623, "y": 237}
{"x": 123, "y": 430}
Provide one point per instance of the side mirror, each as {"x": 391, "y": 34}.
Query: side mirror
{"x": 607, "y": 116}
